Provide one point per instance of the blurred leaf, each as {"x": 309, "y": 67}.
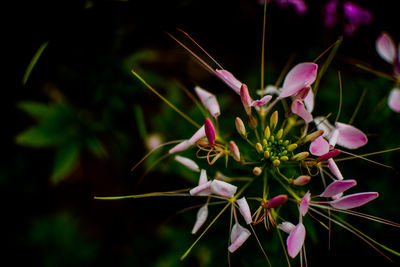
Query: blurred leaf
{"x": 65, "y": 161}
{"x": 96, "y": 147}
{"x": 39, "y": 136}
{"x": 36, "y": 109}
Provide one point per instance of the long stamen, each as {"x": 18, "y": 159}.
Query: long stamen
{"x": 261, "y": 247}
{"x": 340, "y": 96}
{"x": 199, "y": 46}
{"x": 370, "y": 160}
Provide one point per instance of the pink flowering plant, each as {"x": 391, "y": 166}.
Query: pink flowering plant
{"x": 280, "y": 167}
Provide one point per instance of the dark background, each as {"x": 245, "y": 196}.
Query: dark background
{"x": 92, "y": 46}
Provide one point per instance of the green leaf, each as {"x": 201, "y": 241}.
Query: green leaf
{"x": 96, "y": 147}
{"x": 66, "y": 161}
{"x": 36, "y": 109}
{"x": 38, "y": 136}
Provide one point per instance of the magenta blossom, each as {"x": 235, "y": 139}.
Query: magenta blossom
{"x": 352, "y": 14}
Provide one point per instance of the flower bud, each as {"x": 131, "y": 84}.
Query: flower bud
{"x": 312, "y": 136}
{"x": 292, "y": 147}
{"x": 246, "y": 99}
{"x": 210, "y": 131}
{"x": 273, "y": 121}
{"x": 257, "y": 171}
{"x": 284, "y": 158}
{"x": 300, "y": 156}
{"x": 266, "y": 154}
{"x": 234, "y": 151}
{"x": 267, "y": 133}
{"x": 259, "y": 148}
{"x": 276, "y": 201}
{"x": 240, "y": 127}
{"x": 279, "y": 134}
{"x": 301, "y": 180}
{"x": 276, "y": 162}
{"x": 330, "y": 154}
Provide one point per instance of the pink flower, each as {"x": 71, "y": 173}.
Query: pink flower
{"x": 239, "y": 235}
{"x": 299, "y": 77}
{"x": 229, "y": 79}
{"x": 209, "y": 101}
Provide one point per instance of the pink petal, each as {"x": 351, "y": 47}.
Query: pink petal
{"x": 203, "y": 177}
{"x": 287, "y": 227}
{"x": 229, "y": 79}
{"x": 201, "y": 218}
{"x": 350, "y": 137}
{"x": 244, "y": 209}
{"x": 209, "y": 101}
{"x": 246, "y": 99}
{"x": 304, "y": 204}
{"x": 337, "y": 187}
{"x": 319, "y": 146}
{"x": 261, "y": 101}
{"x": 300, "y": 76}
{"x": 201, "y": 190}
{"x": 386, "y": 48}
{"x": 210, "y": 131}
{"x": 334, "y": 169}
{"x": 188, "y": 163}
{"x": 394, "y": 100}
{"x": 180, "y": 147}
{"x": 354, "y": 200}
{"x": 309, "y": 101}
{"x": 299, "y": 109}
{"x": 295, "y": 240}
{"x": 276, "y": 201}
{"x": 333, "y": 138}
{"x": 198, "y": 135}
{"x": 239, "y": 235}
{"x": 223, "y": 189}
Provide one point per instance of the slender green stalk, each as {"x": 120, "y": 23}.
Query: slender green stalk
{"x": 33, "y": 62}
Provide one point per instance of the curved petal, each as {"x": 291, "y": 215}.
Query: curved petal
{"x": 305, "y": 203}
{"x": 198, "y": 135}
{"x": 188, "y": 163}
{"x": 209, "y": 101}
{"x": 337, "y": 187}
{"x": 385, "y": 47}
{"x": 394, "y": 100}
{"x": 319, "y": 146}
{"x": 287, "y": 227}
{"x": 223, "y": 189}
{"x": 202, "y": 215}
{"x": 229, "y": 79}
{"x": 350, "y": 137}
{"x": 180, "y": 147}
{"x": 239, "y": 235}
{"x": 309, "y": 101}
{"x": 334, "y": 169}
{"x": 354, "y": 200}
{"x": 295, "y": 240}
{"x": 244, "y": 209}
{"x": 261, "y": 101}
{"x": 299, "y": 109}
{"x": 300, "y": 76}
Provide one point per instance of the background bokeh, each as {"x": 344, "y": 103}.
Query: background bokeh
{"x": 81, "y": 121}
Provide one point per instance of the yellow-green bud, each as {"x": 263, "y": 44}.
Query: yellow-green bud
{"x": 276, "y": 162}
{"x": 266, "y": 154}
{"x": 292, "y": 147}
{"x": 300, "y": 156}
{"x": 312, "y": 136}
{"x": 265, "y": 142}
{"x": 240, "y": 127}
{"x": 273, "y": 121}
{"x": 279, "y": 134}
{"x": 267, "y": 133}
{"x": 257, "y": 171}
{"x": 286, "y": 142}
{"x": 284, "y": 158}
{"x": 259, "y": 148}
